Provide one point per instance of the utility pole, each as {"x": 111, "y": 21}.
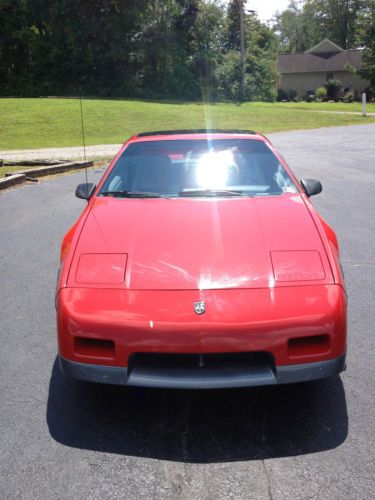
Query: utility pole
{"x": 242, "y": 48}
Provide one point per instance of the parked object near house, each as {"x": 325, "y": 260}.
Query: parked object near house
{"x": 306, "y": 71}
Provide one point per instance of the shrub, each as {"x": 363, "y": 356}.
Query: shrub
{"x": 370, "y": 94}
{"x": 333, "y": 87}
{"x": 282, "y": 95}
{"x": 309, "y": 96}
{"x": 287, "y": 95}
{"x": 321, "y": 93}
{"x": 348, "y": 96}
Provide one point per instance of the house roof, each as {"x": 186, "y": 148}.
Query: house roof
{"x": 303, "y": 62}
{"x": 326, "y": 57}
{"x": 324, "y": 46}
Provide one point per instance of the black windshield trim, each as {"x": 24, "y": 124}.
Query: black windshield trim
{"x": 209, "y": 192}
{"x": 131, "y": 194}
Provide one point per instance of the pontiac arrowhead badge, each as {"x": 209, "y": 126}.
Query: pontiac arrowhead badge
{"x": 199, "y": 307}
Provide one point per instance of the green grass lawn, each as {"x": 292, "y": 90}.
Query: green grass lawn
{"x": 41, "y": 123}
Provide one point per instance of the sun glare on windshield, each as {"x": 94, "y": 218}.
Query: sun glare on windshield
{"x": 213, "y": 169}
{"x": 218, "y": 167}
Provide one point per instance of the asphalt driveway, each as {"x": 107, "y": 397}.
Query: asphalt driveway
{"x": 62, "y": 441}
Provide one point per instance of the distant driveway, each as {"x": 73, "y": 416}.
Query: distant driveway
{"x": 64, "y": 441}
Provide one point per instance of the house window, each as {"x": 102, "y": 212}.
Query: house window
{"x": 329, "y": 76}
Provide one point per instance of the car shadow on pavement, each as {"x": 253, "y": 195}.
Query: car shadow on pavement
{"x": 198, "y": 426}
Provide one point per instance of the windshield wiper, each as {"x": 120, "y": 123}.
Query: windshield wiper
{"x": 210, "y": 192}
{"x": 130, "y": 194}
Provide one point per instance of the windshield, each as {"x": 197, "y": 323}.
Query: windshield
{"x": 217, "y": 167}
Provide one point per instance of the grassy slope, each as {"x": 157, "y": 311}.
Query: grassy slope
{"x": 40, "y": 123}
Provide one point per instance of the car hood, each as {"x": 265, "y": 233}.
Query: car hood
{"x": 178, "y": 243}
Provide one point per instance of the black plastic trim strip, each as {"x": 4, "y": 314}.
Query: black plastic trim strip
{"x": 286, "y": 374}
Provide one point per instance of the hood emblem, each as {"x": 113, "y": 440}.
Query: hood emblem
{"x": 199, "y": 307}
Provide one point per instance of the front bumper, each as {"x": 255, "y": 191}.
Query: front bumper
{"x": 201, "y": 377}
{"x": 295, "y": 325}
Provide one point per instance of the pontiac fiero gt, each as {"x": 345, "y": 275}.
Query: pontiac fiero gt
{"x": 199, "y": 262}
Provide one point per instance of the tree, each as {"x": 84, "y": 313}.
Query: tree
{"x": 131, "y": 48}
{"x": 367, "y": 37}
{"x": 303, "y": 25}
{"x": 209, "y": 47}
{"x": 340, "y": 20}
{"x": 299, "y": 27}
{"x": 232, "y": 29}
{"x": 15, "y": 38}
{"x": 260, "y": 58}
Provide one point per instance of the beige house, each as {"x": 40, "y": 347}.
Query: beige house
{"x": 306, "y": 71}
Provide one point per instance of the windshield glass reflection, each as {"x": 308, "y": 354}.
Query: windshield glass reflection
{"x": 218, "y": 167}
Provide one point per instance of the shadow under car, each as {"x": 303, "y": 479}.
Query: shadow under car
{"x": 198, "y": 426}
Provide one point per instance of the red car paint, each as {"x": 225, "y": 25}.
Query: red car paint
{"x": 267, "y": 269}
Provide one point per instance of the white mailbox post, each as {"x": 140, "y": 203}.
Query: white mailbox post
{"x": 363, "y": 103}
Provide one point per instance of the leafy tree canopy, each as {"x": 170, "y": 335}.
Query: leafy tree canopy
{"x": 304, "y": 24}
{"x": 132, "y": 48}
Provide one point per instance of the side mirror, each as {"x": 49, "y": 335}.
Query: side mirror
{"x": 85, "y": 191}
{"x": 311, "y": 186}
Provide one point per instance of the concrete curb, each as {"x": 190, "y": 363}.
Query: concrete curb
{"x": 53, "y": 169}
{"x": 12, "y": 180}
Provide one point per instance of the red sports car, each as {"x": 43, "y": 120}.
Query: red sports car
{"x": 199, "y": 262}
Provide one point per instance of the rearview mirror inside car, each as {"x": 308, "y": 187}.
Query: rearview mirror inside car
{"x": 85, "y": 190}
{"x": 311, "y": 186}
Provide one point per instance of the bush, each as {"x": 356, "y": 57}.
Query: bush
{"x": 333, "y": 87}
{"x": 287, "y": 95}
{"x": 321, "y": 93}
{"x": 309, "y": 96}
{"x": 370, "y": 94}
{"x": 348, "y": 96}
{"x": 282, "y": 95}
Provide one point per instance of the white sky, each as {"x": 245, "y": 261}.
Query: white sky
{"x": 266, "y": 8}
